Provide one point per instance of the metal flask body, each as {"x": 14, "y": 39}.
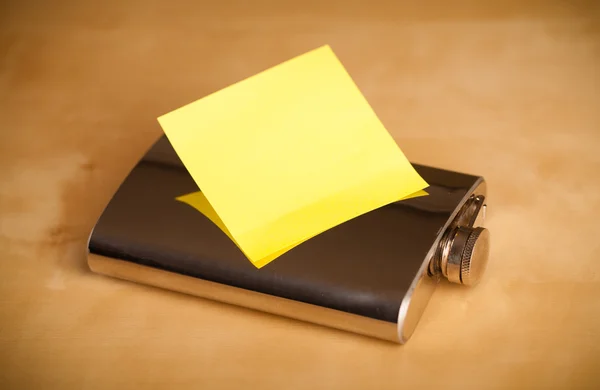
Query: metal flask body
{"x": 372, "y": 275}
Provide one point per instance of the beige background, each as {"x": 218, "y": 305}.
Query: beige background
{"x": 510, "y": 91}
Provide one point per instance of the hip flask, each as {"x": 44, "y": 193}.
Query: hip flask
{"x": 372, "y": 275}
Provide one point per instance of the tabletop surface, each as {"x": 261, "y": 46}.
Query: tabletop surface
{"x": 509, "y": 91}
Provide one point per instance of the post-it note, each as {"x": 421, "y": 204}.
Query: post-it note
{"x": 289, "y": 153}
{"x": 198, "y": 201}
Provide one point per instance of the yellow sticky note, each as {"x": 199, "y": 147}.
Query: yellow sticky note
{"x": 289, "y": 153}
{"x": 198, "y": 201}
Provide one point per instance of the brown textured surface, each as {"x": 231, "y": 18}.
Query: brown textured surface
{"x": 509, "y": 91}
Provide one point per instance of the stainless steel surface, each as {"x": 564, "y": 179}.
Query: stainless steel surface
{"x": 472, "y": 213}
{"x": 267, "y": 303}
{"x": 464, "y": 254}
{"x": 415, "y": 301}
{"x": 463, "y": 251}
{"x": 475, "y": 256}
{"x": 480, "y": 219}
{"x": 454, "y": 247}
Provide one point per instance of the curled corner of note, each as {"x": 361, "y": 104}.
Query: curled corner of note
{"x": 198, "y": 201}
{"x": 416, "y": 195}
